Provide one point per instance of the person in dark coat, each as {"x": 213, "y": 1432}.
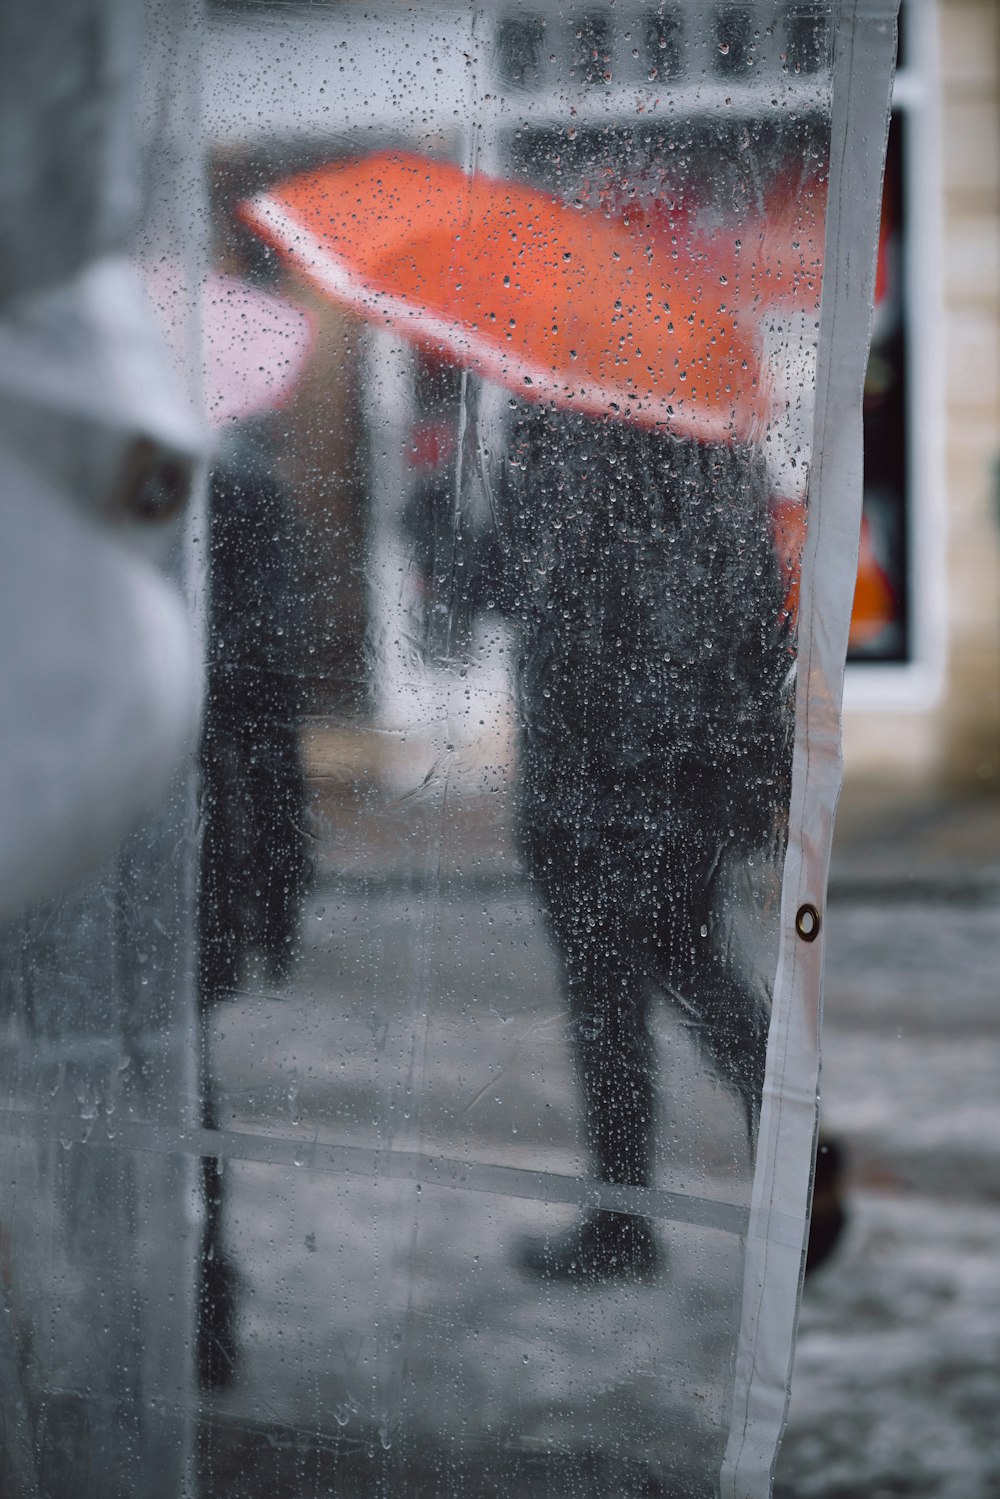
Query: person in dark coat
{"x": 652, "y": 667}
{"x": 254, "y": 858}
{"x": 254, "y": 861}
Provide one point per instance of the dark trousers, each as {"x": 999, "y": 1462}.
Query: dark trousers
{"x": 636, "y": 920}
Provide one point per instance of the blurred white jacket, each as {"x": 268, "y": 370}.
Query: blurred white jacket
{"x": 98, "y": 676}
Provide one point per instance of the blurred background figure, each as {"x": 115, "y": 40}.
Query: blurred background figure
{"x": 253, "y": 844}
{"x": 253, "y": 856}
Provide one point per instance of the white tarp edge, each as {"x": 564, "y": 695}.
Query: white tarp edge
{"x": 863, "y": 66}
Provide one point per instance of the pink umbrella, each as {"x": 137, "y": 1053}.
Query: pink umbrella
{"x": 253, "y": 345}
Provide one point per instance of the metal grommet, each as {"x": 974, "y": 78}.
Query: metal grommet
{"x": 807, "y": 922}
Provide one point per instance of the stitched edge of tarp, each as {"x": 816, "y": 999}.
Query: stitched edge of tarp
{"x": 773, "y": 1267}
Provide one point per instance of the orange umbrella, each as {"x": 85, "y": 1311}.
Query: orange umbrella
{"x": 555, "y": 302}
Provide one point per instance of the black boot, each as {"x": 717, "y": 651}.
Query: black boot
{"x": 219, "y": 1288}
{"x": 829, "y": 1216}
{"x": 603, "y": 1247}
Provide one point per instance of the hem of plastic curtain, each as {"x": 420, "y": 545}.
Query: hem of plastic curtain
{"x": 779, "y": 1213}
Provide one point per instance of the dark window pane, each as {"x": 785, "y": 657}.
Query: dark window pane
{"x": 519, "y": 43}
{"x": 734, "y": 39}
{"x": 593, "y": 47}
{"x": 663, "y": 44}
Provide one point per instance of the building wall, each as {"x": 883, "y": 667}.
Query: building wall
{"x": 951, "y": 740}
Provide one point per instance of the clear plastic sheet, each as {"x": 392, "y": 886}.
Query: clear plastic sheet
{"x": 533, "y": 343}
{"x": 99, "y": 433}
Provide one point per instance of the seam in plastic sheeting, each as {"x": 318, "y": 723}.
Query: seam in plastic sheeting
{"x": 863, "y": 66}
{"x": 396, "y": 1165}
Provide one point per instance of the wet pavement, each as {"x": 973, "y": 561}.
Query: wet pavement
{"x": 400, "y": 1120}
{"x": 897, "y": 1381}
{"x": 897, "y": 1378}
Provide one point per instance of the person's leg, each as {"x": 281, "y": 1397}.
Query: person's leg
{"x": 279, "y": 859}
{"x": 698, "y": 969}
{"x": 221, "y": 924}
{"x": 615, "y": 1066}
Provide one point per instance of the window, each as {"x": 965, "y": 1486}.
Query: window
{"x": 897, "y": 637}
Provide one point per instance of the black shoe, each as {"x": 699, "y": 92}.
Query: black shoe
{"x": 829, "y": 1216}
{"x": 217, "y": 1331}
{"x": 604, "y": 1247}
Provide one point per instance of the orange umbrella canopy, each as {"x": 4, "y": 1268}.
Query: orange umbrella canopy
{"x": 555, "y": 302}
